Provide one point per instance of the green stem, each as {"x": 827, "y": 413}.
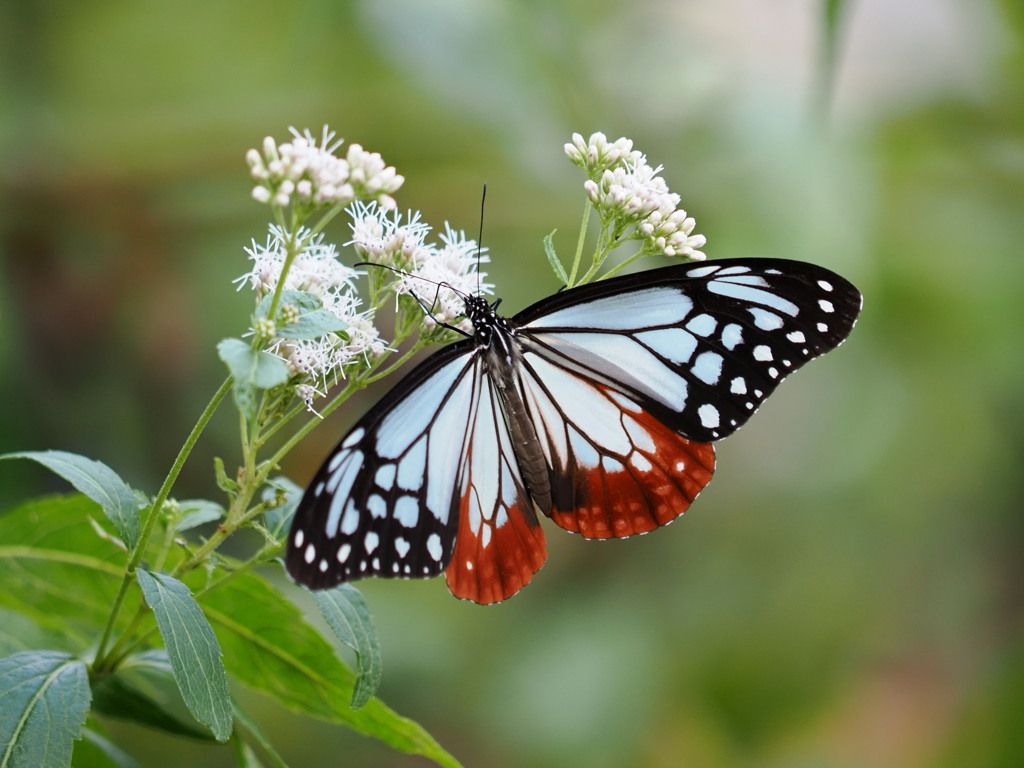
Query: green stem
{"x": 154, "y": 513}
{"x": 619, "y": 267}
{"x": 579, "y": 244}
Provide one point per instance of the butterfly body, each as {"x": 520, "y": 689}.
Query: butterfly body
{"x": 596, "y": 406}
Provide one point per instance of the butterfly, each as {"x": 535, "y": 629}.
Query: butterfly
{"x": 597, "y": 407}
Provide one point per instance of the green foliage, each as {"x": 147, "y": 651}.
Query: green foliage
{"x": 253, "y": 371}
{"x": 97, "y": 481}
{"x": 348, "y": 616}
{"x": 49, "y": 544}
{"x": 44, "y": 698}
{"x": 311, "y": 319}
{"x": 192, "y": 648}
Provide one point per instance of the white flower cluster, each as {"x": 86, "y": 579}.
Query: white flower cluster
{"x": 311, "y": 173}
{"x": 596, "y": 155}
{"x": 624, "y": 187}
{"x": 315, "y": 270}
{"x": 449, "y": 271}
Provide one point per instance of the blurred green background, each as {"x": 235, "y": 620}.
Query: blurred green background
{"x": 847, "y": 592}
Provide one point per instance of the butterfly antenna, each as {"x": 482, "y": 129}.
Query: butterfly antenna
{"x": 480, "y": 237}
{"x": 426, "y": 308}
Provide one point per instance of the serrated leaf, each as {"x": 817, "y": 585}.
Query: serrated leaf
{"x": 270, "y": 647}
{"x": 556, "y": 265}
{"x": 192, "y": 649}
{"x": 97, "y": 481}
{"x": 196, "y": 512}
{"x": 348, "y": 616}
{"x": 48, "y": 544}
{"x": 312, "y": 322}
{"x": 44, "y": 699}
{"x": 116, "y": 698}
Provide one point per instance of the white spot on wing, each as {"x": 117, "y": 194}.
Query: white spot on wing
{"x": 385, "y": 476}
{"x": 738, "y": 386}
{"x": 402, "y": 547}
{"x": 344, "y": 551}
{"x": 825, "y": 285}
{"x": 376, "y": 506}
{"x": 797, "y": 337}
{"x": 765, "y": 320}
{"x": 826, "y": 306}
{"x": 350, "y": 520}
{"x": 407, "y": 511}
{"x": 353, "y": 437}
{"x": 434, "y": 546}
{"x": 673, "y": 344}
{"x": 299, "y": 538}
{"x": 732, "y": 336}
{"x": 702, "y": 271}
{"x": 702, "y": 325}
{"x": 310, "y": 554}
{"x": 708, "y": 367}
{"x": 640, "y": 462}
{"x": 709, "y": 416}
{"x": 763, "y": 353}
{"x": 371, "y": 542}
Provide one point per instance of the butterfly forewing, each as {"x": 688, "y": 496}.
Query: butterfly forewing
{"x": 698, "y": 346}
{"x": 384, "y": 502}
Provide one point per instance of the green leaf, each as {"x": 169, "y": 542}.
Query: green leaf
{"x": 270, "y": 647}
{"x": 55, "y": 570}
{"x": 253, "y": 370}
{"x": 97, "y": 481}
{"x": 44, "y": 699}
{"x": 313, "y": 320}
{"x": 193, "y": 650}
{"x": 116, "y": 698}
{"x": 95, "y": 751}
{"x": 556, "y": 265}
{"x": 196, "y": 512}
{"x": 348, "y": 616}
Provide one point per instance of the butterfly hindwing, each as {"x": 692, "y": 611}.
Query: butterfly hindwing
{"x": 699, "y": 347}
{"x": 384, "y": 502}
{"x": 615, "y": 469}
{"x": 500, "y": 544}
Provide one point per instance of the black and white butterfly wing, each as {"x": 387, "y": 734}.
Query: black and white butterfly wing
{"x": 429, "y": 472}
{"x": 628, "y": 380}
{"x": 384, "y": 502}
